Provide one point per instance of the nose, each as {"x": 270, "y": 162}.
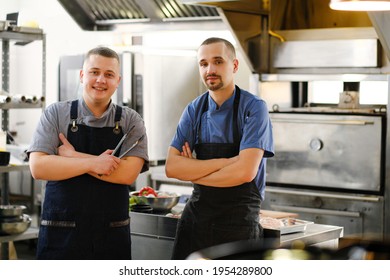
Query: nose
{"x": 210, "y": 69}
{"x": 100, "y": 78}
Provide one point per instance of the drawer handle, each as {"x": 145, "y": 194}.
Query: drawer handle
{"x": 344, "y": 122}
{"x": 315, "y": 211}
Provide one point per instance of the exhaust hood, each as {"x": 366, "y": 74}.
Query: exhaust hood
{"x": 306, "y": 36}
{"x": 275, "y": 36}
{"x": 105, "y": 14}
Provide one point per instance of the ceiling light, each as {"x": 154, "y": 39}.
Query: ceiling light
{"x": 360, "y": 5}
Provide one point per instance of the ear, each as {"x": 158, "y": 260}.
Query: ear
{"x": 81, "y": 75}
{"x": 235, "y": 65}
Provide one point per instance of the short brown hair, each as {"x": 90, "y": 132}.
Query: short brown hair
{"x": 103, "y": 51}
{"x": 213, "y": 40}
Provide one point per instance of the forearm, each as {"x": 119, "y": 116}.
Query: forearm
{"x": 229, "y": 176}
{"x": 61, "y": 167}
{"x": 127, "y": 172}
{"x": 53, "y": 167}
{"x": 243, "y": 170}
{"x": 189, "y": 169}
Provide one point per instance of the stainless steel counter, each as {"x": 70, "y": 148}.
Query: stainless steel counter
{"x": 30, "y": 233}
{"x": 315, "y": 234}
{"x": 153, "y": 235}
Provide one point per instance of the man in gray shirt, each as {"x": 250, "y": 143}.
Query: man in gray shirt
{"x": 85, "y": 211}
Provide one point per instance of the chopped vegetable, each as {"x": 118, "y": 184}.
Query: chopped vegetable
{"x": 147, "y": 191}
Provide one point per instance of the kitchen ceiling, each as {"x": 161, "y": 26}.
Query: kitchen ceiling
{"x": 105, "y": 14}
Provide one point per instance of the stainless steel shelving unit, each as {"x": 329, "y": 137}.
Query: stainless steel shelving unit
{"x": 20, "y": 38}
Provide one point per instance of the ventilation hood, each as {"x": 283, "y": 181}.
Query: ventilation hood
{"x": 306, "y": 36}
{"x": 275, "y": 36}
{"x": 105, "y": 14}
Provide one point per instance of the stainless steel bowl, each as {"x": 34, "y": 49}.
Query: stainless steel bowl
{"x": 15, "y": 227}
{"x": 159, "y": 204}
{"x": 11, "y": 210}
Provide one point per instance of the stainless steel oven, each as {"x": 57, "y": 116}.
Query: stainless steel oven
{"x": 329, "y": 168}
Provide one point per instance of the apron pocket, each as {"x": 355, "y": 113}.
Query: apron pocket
{"x": 56, "y": 243}
{"x": 228, "y": 233}
{"x": 184, "y": 241}
{"x": 116, "y": 244}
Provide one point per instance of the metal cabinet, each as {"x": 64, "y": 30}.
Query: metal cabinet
{"x": 19, "y": 38}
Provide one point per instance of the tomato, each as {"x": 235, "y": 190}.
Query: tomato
{"x": 145, "y": 191}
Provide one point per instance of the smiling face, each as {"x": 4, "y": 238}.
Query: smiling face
{"x": 100, "y": 78}
{"x": 217, "y": 65}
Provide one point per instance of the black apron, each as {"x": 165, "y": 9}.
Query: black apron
{"x": 216, "y": 215}
{"x": 84, "y": 217}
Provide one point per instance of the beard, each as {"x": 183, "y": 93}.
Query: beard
{"x": 214, "y": 85}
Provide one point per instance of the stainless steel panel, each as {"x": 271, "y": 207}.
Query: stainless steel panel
{"x": 327, "y": 53}
{"x": 360, "y": 215}
{"x": 327, "y": 151}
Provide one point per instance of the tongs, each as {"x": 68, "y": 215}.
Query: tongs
{"x": 121, "y": 141}
{"x": 129, "y": 149}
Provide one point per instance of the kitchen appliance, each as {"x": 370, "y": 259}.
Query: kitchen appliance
{"x": 329, "y": 168}
{"x": 157, "y": 84}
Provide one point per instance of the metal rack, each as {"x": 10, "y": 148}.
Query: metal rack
{"x": 21, "y": 38}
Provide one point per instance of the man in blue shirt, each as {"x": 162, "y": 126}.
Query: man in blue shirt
{"x": 230, "y": 132}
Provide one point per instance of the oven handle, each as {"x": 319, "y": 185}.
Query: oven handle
{"x": 337, "y": 122}
{"x": 338, "y": 196}
{"x": 314, "y": 211}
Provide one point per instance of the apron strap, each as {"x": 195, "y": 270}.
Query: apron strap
{"x": 236, "y": 134}
{"x": 73, "y": 109}
{"x": 118, "y": 116}
{"x": 204, "y": 104}
{"x": 73, "y": 115}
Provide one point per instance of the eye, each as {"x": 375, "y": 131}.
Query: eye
{"x": 203, "y": 64}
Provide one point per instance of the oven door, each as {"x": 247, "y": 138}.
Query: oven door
{"x": 327, "y": 151}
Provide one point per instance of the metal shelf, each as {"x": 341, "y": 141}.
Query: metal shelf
{"x": 11, "y": 167}
{"x": 6, "y": 106}
{"x": 22, "y": 36}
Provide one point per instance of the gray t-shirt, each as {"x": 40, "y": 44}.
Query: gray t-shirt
{"x": 56, "y": 119}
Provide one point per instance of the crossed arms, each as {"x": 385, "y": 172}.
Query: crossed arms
{"x": 222, "y": 172}
{"x": 70, "y": 163}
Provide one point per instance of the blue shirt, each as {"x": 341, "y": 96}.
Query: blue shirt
{"x": 253, "y": 121}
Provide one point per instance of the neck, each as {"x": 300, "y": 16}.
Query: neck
{"x": 97, "y": 108}
{"x": 220, "y": 96}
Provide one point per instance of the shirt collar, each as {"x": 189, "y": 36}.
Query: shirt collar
{"x": 228, "y": 104}
{"x": 88, "y": 112}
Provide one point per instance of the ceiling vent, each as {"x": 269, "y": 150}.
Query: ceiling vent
{"x": 104, "y": 14}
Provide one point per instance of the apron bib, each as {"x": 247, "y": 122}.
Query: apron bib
{"x": 216, "y": 215}
{"x": 84, "y": 217}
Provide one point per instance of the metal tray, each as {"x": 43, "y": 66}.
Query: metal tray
{"x": 292, "y": 225}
